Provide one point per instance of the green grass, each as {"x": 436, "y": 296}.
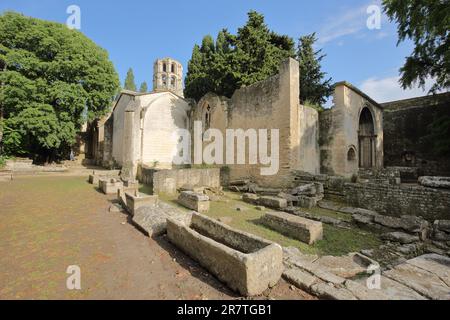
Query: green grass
{"x": 336, "y": 241}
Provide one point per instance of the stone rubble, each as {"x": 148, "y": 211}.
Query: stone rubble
{"x": 422, "y": 278}
{"x": 435, "y": 182}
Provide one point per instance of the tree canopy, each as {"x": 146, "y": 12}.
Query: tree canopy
{"x": 129, "y": 81}
{"x": 314, "y": 89}
{"x": 53, "y": 80}
{"x": 231, "y": 61}
{"x": 427, "y": 24}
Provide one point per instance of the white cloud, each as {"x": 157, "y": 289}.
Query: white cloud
{"x": 352, "y": 22}
{"x": 389, "y": 89}
{"x": 347, "y": 24}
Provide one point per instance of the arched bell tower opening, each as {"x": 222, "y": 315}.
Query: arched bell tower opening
{"x": 168, "y": 76}
{"x": 367, "y": 139}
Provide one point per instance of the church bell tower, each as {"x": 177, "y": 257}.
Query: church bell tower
{"x": 168, "y": 76}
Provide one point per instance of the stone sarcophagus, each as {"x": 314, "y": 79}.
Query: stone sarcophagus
{"x": 136, "y": 200}
{"x": 194, "y": 201}
{"x": 110, "y": 185}
{"x": 95, "y": 176}
{"x": 299, "y": 228}
{"x": 246, "y": 263}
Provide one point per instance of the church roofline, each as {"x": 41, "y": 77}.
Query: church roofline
{"x": 358, "y": 91}
{"x": 140, "y": 94}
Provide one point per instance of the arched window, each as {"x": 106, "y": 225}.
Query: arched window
{"x": 207, "y": 118}
{"x": 367, "y": 137}
{"x": 351, "y": 154}
{"x": 173, "y": 81}
{"x": 164, "y": 80}
{"x": 164, "y": 67}
{"x": 173, "y": 68}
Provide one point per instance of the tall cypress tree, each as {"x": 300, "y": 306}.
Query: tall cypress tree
{"x": 314, "y": 89}
{"x": 144, "y": 87}
{"x": 129, "y": 81}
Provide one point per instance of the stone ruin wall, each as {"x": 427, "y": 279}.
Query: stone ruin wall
{"x": 339, "y": 127}
{"x": 269, "y": 104}
{"x": 392, "y": 200}
{"x": 406, "y": 123}
{"x": 385, "y": 198}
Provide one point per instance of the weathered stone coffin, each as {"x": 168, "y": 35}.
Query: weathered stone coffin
{"x": 246, "y": 263}
{"x": 194, "y": 201}
{"x": 299, "y": 228}
{"x": 137, "y": 200}
{"x": 110, "y": 186}
{"x": 131, "y": 184}
{"x": 273, "y": 202}
{"x": 94, "y": 177}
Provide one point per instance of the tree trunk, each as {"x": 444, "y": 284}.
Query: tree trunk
{"x": 1, "y": 114}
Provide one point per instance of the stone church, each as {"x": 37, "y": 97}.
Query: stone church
{"x": 141, "y": 131}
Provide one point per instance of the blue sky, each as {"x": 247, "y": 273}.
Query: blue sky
{"x": 136, "y": 32}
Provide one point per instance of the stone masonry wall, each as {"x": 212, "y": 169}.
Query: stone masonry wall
{"x": 431, "y": 204}
{"x": 406, "y": 124}
{"x": 269, "y": 104}
{"x": 384, "y": 198}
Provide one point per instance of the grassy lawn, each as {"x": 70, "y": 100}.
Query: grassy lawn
{"x": 337, "y": 241}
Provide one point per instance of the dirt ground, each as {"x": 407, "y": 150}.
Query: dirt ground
{"x": 48, "y": 223}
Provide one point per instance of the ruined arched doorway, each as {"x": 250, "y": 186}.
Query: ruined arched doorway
{"x": 367, "y": 139}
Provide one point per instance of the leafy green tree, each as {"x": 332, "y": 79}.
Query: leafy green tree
{"x": 232, "y": 61}
{"x": 53, "y": 80}
{"x": 129, "y": 81}
{"x": 314, "y": 90}
{"x": 144, "y": 87}
{"x": 427, "y": 24}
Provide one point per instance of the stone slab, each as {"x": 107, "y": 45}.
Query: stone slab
{"x": 434, "y": 263}
{"x": 300, "y": 279}
{"x": 362, "y": 292}
{"x": 153, "y": 220}
{"x": 344, "y": 266}
{"x": 395, "y": 290}
{"x": 400, "y": 237}
{"x": 330, "y": 292}
{"x": 424, "y": 282}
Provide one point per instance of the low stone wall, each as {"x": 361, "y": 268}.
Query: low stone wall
{"x": 384, "y": 198}
{"x": 169, "y": 181}
{"x": 246, "y": 263}
{"x": 392, "y": 200}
